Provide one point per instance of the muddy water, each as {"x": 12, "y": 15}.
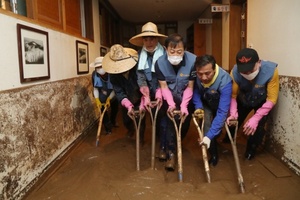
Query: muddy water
{"x": 109, "y": 172}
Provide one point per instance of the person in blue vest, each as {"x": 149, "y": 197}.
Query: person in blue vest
{"x": 212, "y": 94}
{"x": 150, "y": 41}
{"x": 176, "y": 76}
{"x": 255, "y": 87}
{"x": 104, "y": 94}
{"x": 120, "y": 63}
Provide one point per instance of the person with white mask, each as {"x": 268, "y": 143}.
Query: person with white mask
{"x": 176, "y": 75}
{"x": 150, "y": 40}
{"x": 104, "y": 94}
{"x": 255, "y": 87}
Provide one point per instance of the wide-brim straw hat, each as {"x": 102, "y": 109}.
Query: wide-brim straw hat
{"x": 148, "y": 29}
{"x": 119, "y": 59}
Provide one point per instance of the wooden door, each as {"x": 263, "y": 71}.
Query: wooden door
{"x": 237, "y": 30}
{"x": 216, "y": 38}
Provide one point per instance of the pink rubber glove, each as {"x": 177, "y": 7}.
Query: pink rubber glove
{"x": 233, "y": 111}
{"x": 250, "y": 127}
{"x": 186, "y": 97}
{"x": 167, "y": 95}
{"x": 158, "y": 94}
{"x": 127, "y": 104}
{"x": 142, "y": 104}
{"x": 145, "y": 91}
{"x": 158, "y": 97}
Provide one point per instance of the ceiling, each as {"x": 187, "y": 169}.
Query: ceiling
{"x": 141, "y": 11}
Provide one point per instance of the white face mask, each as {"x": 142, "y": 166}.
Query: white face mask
{"x": 251, "y": 76}
{"x": 100, "y": 71}
{"x": 175, "y": 60}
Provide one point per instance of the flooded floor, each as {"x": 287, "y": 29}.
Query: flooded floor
{"x": 108, "y": 172}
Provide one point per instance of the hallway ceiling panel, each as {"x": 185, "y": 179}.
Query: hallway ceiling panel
{"x": 140, "y": 11}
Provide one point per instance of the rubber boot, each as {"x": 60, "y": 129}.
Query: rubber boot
{"x": 162, "y": 156}
{"x": 108, "y": 127}
{"x": 250, "y": 150}
{"x": 170, "y": 164}
{"x": 213, "y": 151}
{"x": 254, "y": 141}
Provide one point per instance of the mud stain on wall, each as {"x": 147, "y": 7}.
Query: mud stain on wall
{"x": 285, "y": 123}
{"x": 37, "y": 124}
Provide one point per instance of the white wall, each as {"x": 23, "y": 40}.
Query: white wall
{"x": 273, "y": 30}
{"x": 62, "y": 51}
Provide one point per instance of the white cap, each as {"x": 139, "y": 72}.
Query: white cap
{"x": 97, "y": 62}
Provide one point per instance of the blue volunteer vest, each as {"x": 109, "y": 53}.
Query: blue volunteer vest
{"x": 102, "y": 86}
{"x": 211, "y": 94}
{"x": 177, "y": 83}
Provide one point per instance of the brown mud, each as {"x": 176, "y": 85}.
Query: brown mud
{"x": 108, "y": 172}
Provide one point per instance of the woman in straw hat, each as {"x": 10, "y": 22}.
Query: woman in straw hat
{"x": 149, "y": 39}
{"x": 120, "y": 63}
{"x": 104, "y": 94}
{"x": 176, "y": 75}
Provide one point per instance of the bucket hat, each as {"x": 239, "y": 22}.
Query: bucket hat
{"x": 119, "y": 59}
{"x": 148, "y": 29}
{"x": 97, "y": 62}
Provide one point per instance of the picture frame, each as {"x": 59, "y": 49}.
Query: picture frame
{"x": 103, "y": 51}
{"x": 33, "y": 52}
{"x": 82, "y": 55}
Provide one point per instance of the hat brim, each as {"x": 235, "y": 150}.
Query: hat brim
{"x": 120, "y": 66}
{"x": 92, "y": 65}
{"x": 245, "y": 67}
{"x": 138, "y": 39}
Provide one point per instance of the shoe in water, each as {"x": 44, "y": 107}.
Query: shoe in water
{"x": 249, "y": 155}
{"x": 170, "y": 164}
{"x": 250, "y": 152}
{"x": 162, "y": 156}
{"x": 214, "y": 160}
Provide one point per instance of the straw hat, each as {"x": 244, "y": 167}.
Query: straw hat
{"x": 148, "y": 29}
{"x": 119, "y": 59}
{"x": 97, "y": 62}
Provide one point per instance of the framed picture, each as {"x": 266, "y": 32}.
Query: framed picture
{"x": 82, "y": 54}
{"x": 103, "y": 51}
{"x": 33, "y": 49}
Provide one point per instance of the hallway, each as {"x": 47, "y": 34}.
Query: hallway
{"x": 109, "y": 172}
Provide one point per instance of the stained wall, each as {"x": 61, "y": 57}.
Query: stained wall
{"x": 272, "y": 29}
{"x": 38, "y": 124}
{"x": 285, "y": 124}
